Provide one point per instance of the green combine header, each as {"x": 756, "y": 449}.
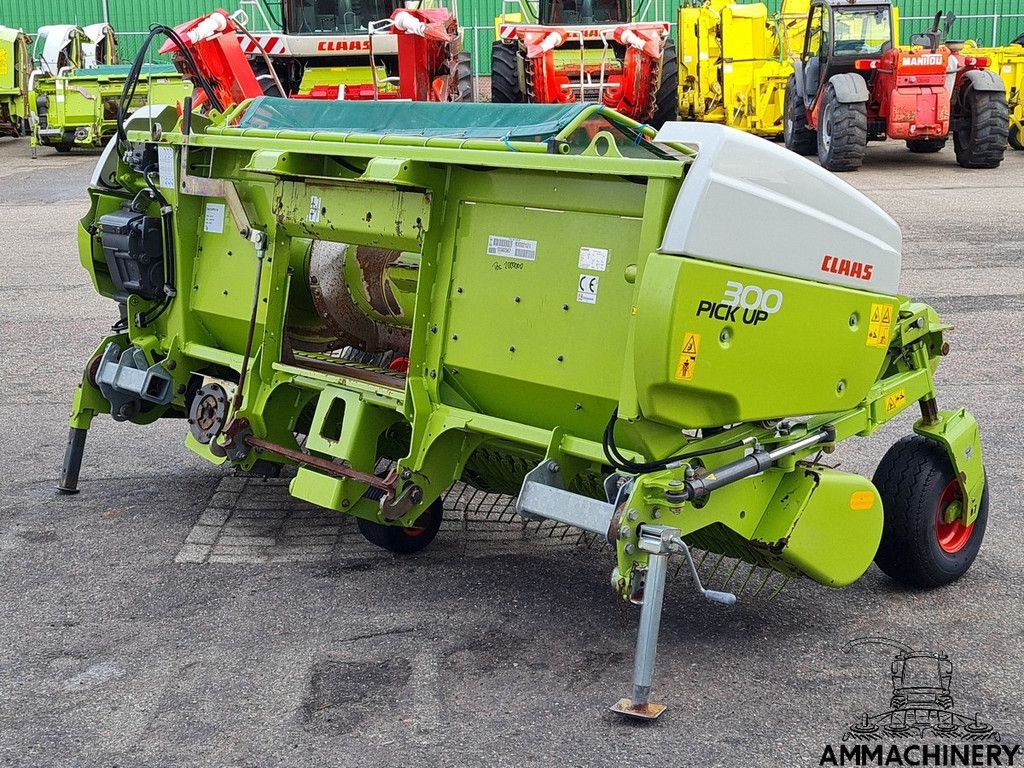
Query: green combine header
{"x": 548, "y": 301}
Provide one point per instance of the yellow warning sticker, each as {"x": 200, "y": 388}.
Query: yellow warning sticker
{"x": 895, "y": 401}
{"x": 878, "y": 326}
{"x": 3, "y": 61}
{"x": 688, "y": 356}
{"x": 691, "y": 344}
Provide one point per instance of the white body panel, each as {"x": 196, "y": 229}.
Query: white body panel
{"x": 94, "y": 35}
{"x": 313, "y": 46}
{"x": 54, "y": 39}
{"x": 749, "y": 202}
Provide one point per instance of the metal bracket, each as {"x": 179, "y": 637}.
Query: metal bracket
{"x": 126, "y": 379}
{"x": 543, "y": 496}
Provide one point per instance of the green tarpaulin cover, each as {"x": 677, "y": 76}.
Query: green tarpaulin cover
{"x": 121, "y": 70}
{"x": 407, "y": 118}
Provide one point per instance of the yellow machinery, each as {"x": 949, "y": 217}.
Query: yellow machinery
{"x": 1007, "y": 62}
{"x": 734, "y": 61}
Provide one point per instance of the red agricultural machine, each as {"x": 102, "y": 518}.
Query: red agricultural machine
{"x": 853, "y": 85}
{"x": 409, "y": 53}
{"x": 564, "y": 51}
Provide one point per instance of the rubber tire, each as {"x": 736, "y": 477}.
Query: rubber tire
{"x": 666, "y": 100}
{"x": 848, "y": 130}
{"x": 910, "y": 479}
{"x": 62, "y": 148}
{"x": 795, "y": 133}
{"x": 396, "y": 539}
{"x": 925, "y": 146}
{"x": 505, "y": 74}
{"x": 464, "y": 78}
{"x": 1015, "y": 139}
{"x": 982, "y": 127}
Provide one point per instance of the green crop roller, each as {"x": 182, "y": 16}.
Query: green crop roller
{"x": 548, "y": 301}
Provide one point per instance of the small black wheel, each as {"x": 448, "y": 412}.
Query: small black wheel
{"x": 920, "y": 547}
{"x": 982, "y": 127}
{"x": 464, "y": 78}
{"x": 405, "y": 541}
{"x": 62, "y": 147}
{"x": 505, "y": 74}
{"x": 925, "y": 146}
{"x": 666, "y": 100}
{"x": 1016, "y": 138}
{"x": 842, "y": 133}
{"x": 795, "y": 133}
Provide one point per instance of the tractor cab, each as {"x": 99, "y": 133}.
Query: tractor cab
{"x": 575, "y": 13}
{"x": 839, "y": 36}
{"x": 337, "y": 17}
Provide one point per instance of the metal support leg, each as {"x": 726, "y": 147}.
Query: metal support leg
{"x": 72, "y": 461}
{"x": 656, "y": 540}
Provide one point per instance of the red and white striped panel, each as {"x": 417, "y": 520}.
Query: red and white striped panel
{"x": 274, "y": 45}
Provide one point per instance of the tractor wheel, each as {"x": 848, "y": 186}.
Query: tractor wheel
{"x": 925, "y": 146}
{"x": 842, "y": 133}
{"x": 666, "y": 105}
{"x": 505, "y": 74}
{"x": 404, "y": 541}
{"x": 62, "y": 147}
{"x": 464, "y": 77}
{"x": 1016, "y": 139}
{"x": 982, "y": 122}
{"x": 918, "y": 485}
{"x": 795, "y": 133}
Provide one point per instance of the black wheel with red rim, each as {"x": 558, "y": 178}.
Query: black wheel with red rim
{"x": 405, "y": 541}
{"x": 924, "y": 542}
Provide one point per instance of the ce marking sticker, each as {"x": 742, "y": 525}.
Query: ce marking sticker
{"x": 586, "y": 289}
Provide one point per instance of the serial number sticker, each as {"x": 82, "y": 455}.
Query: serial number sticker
{"x": 512, "y": 248}
{"x": 213, "y": 221}
{"x": 595, "y": 259}
{"x": 688, "y": 356}
{"x": 586, "y": 290}
{"x": 315, "y": 207}
{"x": 165, "y": 167}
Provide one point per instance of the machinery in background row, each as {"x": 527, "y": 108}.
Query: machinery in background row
{"x": 15, "y": 66}
{"x": 586, "y": 51}
{"x": 76, "y": 87}
{"x": 376, "y": 49}
{"x": 852, "y": 84}
{"x": 550, "y": 301}
{"x": 735, "y": 61}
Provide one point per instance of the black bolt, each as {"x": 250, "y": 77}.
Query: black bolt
{"x": 565, "y": 307}
{"x": 511, "y": 349}
{"x": 561, "y": 358}
{"x": 518, "y": 299}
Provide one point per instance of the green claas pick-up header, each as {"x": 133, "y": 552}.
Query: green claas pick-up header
{"x": 548, "y": 301}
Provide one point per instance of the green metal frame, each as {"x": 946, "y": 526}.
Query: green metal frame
{"x": 505, "y": 360}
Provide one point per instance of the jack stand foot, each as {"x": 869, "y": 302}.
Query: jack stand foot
{"x": 72, "y": 461}
{"x": 657, "y": 541}
{"x": 639, "y": 711}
